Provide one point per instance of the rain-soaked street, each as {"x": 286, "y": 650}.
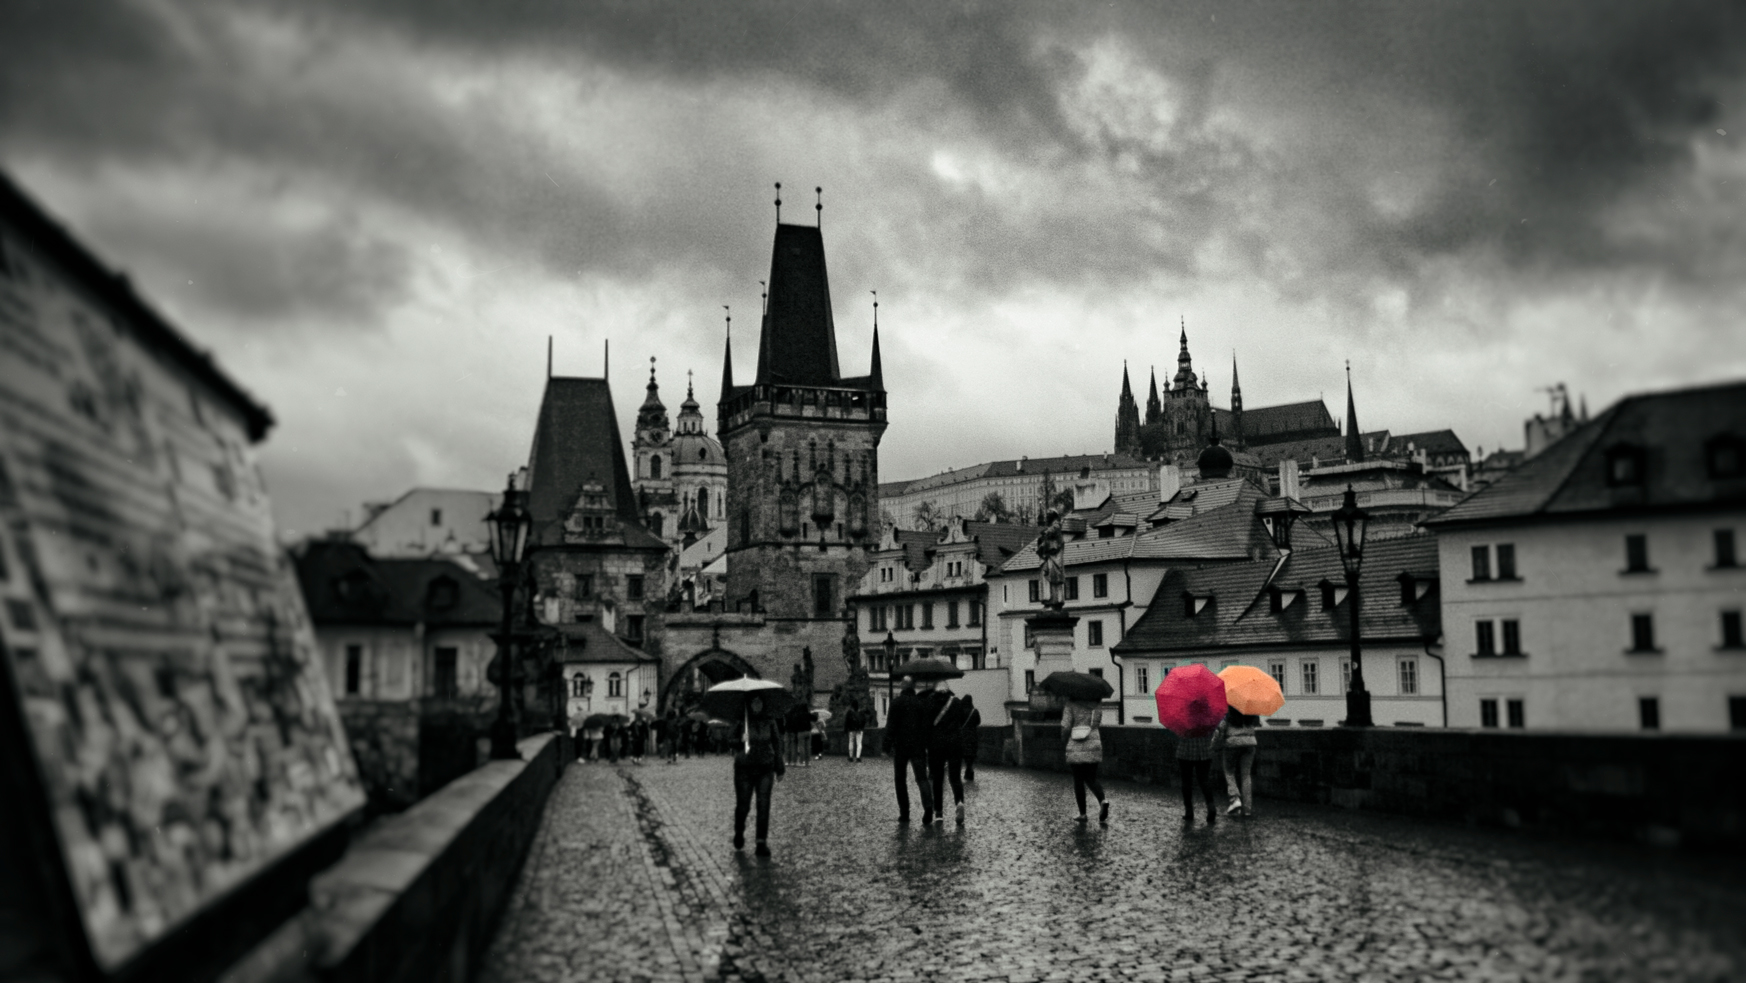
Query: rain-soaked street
{"x": 633, "y": 877}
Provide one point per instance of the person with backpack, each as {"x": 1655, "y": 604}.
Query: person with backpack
{"x": 1236, "y": 737}
{"x": 946, "y": 749}
{"x": 757, "y": 765}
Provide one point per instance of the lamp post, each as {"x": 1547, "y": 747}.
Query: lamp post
{"x": 890, "y": 665}
{"x": 1350, "y": 522}
{"x": 510, "y": 526}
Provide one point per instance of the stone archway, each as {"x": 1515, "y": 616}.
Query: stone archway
{"x": 701, "y": 671}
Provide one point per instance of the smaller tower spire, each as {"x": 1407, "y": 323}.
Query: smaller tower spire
{"x": 727, "y": 358}
{"x": 876, "y": 374}
{"x": 1354, "y": 439}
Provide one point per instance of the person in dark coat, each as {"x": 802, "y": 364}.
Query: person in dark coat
{"x": 909, "y": 729}
{"x": 971, "y": 738}
{"x": 855, "y": 727}
{"x": 946, "y": 748}
{"x": 757, "y": 764}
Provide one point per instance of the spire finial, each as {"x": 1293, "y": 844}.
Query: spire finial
{"x": 875, "y": 294}
{"x": 730, "y": 319}
{"x": 651, "y": 370}
{"x": 687, "y": 383}
{"x": 765, "y": 295}
{"x": 778, "y": 202}
{"x": 820, "y": 206}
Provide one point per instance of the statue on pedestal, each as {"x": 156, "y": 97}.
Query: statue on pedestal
{"x": 1049, "y": 546}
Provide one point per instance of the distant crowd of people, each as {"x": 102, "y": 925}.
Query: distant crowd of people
{"x": 667, "y": 737}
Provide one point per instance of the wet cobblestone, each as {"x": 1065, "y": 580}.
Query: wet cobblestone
{"x": 633, "y": 878}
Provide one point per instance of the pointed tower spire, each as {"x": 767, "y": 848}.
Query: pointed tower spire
{"x": 876, "y": 374}
{"x": 1184, "y": 364}
{"x": 1127, "y": 390}
{"x": 727, "y": 358}
{"x": 1354, "y": 439}
{"x": 1584, "y": 416}
{"x": 1238, "y": 440}
{"x": 1127, "y": 428}
{"x": 1154, "y": 408}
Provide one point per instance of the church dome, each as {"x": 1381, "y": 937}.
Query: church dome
{"x": 693, "y": 448}
{"x": 1215, "y": 461}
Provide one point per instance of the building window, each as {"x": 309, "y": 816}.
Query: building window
{"x": 1030, "y": 639}
{"x": 1142, "y": 679}
{"x": 824, "y": 596}
{"x": 584, "y": 585}
{"x": 908, "y": 612}
{"x": 614, "y": 685}
{"x": 1277, "y": 671}
{"x": 1726, "y": 456}
{"x": 1481, "y": 563}
{"x": 1034, "y": 594}
{"x": 1649, "y": 712}
{"x": 1642, "y": 633}
{"x": 1737, "y": 713}
{"x": 578, "y": 686}
{"x": 1030, "y": 681}
{"x": 21, "y": 614}
{"x": 1731, "y": 637}
{"x": 1517, "y": 713}
{"x": 951, "y": 614}
{"x": 633, "y": 587}
{"x": 1512, "y": 637}
{"x": 1506, "y": 561}
{"x": 633, "y": 628}
{"x": 1070, "y": 588}
{"x": 1409, "y": 677}
{"x": 1345, "y": 675}
{"x": 655, "y": 466}
{"x": 1100, "y": 585}
{"x": 354, "y": 669}
{"x": 436, "y": 517}
{"x": 927, "y": 615}
{"x": 1488, "y": 713}
{"x": 975, "y": 612}
{"x": 446, "y": 684}
{"x": 1094, "y": 634}
{"x": 1637, "y": 553}
{"x": 655, "y": 523}
{"x": 1485, "y": 638}
{"x": 1311, "y": 669}
{"x": 1625, "y": 466}
{"x": 1725, "y": 548}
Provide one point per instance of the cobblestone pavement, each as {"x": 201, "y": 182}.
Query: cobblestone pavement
{"x": 632, "y": 877}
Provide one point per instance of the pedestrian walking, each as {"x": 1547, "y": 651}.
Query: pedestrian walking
{"x": 1236, "y": 737}
{"x": 1194, "y": 761}
{"x": 1080, "y": 728}
{"x": 855, "y": 726}
{"x": 637, "y": 739}
{"x": 946, "y": 749}
{"x": 757, "y": 765}
{"x": 670, "y": 734}
{"x": 970, "y": 738}
{"x": 818, "y": 738}
{"x": 907, "y": 729}
{"x": 591, "y": 739}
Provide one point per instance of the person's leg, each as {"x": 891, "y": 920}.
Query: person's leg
{"x": 743, "y": 786}
{"x": 1229, "y": 761}
{"x": 1185, "y": 770}
{"x": 955, "y": 771}
{"x": 937, "y": 778}
{"x": 970, "y": 764}
{"x": 900, "y": 771}
{"x": 765, "y": 783}
{"x": 919, "y": 765}
{"x": 1204, "y": 770}
{"x": 1079, "y": 788}
{"x": 1246, "y": 774}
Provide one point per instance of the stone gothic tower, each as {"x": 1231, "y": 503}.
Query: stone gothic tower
{"x": 1154, "y": 409}
{"x": 1127, "y": 429}
{"x": 802, "y": 457}
{"x": 1237, "y": 439}
{"x": 1186, "y": 423}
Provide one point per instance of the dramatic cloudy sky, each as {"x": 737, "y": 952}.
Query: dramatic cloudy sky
{"x": 375, "y": 212}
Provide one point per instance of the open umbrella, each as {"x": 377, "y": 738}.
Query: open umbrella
{"x": 1191, "y": 701}
{"x": 698, "y": 715}
{"x": 1252, "y": 691}
{"x": 929, "y": 669}
{"x": 821, "y": 715}
{"x": 597, "y": 720}
{"x": 644, "y": 713}
{"x": 1077, "y": 685}
{"x": 728, "y": 700}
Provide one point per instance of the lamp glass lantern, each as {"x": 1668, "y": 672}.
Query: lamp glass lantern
{"x": 511, "y": 525}
{"x": 1350, "y": 524}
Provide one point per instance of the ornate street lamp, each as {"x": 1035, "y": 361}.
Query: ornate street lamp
{"x": 510, "y": 526}
{"x": 1350, "y": 522}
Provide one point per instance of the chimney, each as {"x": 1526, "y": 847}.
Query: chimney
{"x": 1288, "y": 485}
{"x": 1021, "y": 463}
{"x": 1169, "y": 482}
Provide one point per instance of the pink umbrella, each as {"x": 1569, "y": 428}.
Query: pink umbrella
{"x": 1191, "y": 701}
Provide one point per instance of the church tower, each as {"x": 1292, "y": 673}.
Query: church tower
{"x": 1186, "y": 412}
{"x": 802, "y": 458}
{"x": 1354, "y": 438}
{"x": 1154, "y": 409}
{"x": 1127, "y": 429}
{"x": 651, "y": 448}
{"x": 1237, "y": 440}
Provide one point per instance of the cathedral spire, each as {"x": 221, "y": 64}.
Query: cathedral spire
{"x": 1127, "y": 390}
{"x": 876, "y": 376}
{"x": 1127, "y": 429}
{"x": 1354, "y": 439}
{"x": 1154, "y": 408}
{"x": 1184, "y": 364}
{"x": 727, "y": 358}
{"x": 1237, "y": 438}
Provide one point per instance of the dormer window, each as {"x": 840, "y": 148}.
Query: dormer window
{"x": 1333, "y": 595}
{"x": 443, "y": 593}
{"x": 1414, "y": 588}
{"x": 1625, "y": 466}
{"x": 1725, "y": 456}
{"x": 1278, "y": 599}
{"x": 1193, "y": 604}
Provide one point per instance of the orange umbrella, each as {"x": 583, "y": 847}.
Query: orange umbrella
{"x": 1252, "y": 691}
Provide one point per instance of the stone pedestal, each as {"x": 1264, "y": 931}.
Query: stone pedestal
{"x": 1052, "y": 634}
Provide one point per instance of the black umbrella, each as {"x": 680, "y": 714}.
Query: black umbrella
{"x": 1077, "y": 685}
{"x": 929, "y": 669}
{"x": 598, "y": 720}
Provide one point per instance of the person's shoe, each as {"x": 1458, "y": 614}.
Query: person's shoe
{"x": 1248, "y": 813}
{"x": 1235, "y": 807}
{"x": 903, "y": 820}
{"x": 960, "y": 813}
{"x": 1103, "y": 813}
{"x": 1212, "y": 818}
{"x": 927, "y": 818}
{"x": 1079, "y": 818}
{"x": 763, "y": 849}
{"x": 739, "y": 841}
{"x": 1188, "y": 819}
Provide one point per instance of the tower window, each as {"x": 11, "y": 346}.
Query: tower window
{"x": 655, "y": 466}
{"x": 436, "y": 517}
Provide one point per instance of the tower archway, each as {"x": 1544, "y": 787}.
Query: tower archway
{"x": 700, "y": 672}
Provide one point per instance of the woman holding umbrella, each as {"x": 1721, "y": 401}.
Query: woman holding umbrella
{"x": 1252, "y": 694}
{"x": 1191, "y": 702}
{"x": 1081, "y": 718}
{"x": 758, "y": 706}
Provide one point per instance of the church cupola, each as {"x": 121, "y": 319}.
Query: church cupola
{"x": 652, "y": 423}
{"x": 1185, "y": 378}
